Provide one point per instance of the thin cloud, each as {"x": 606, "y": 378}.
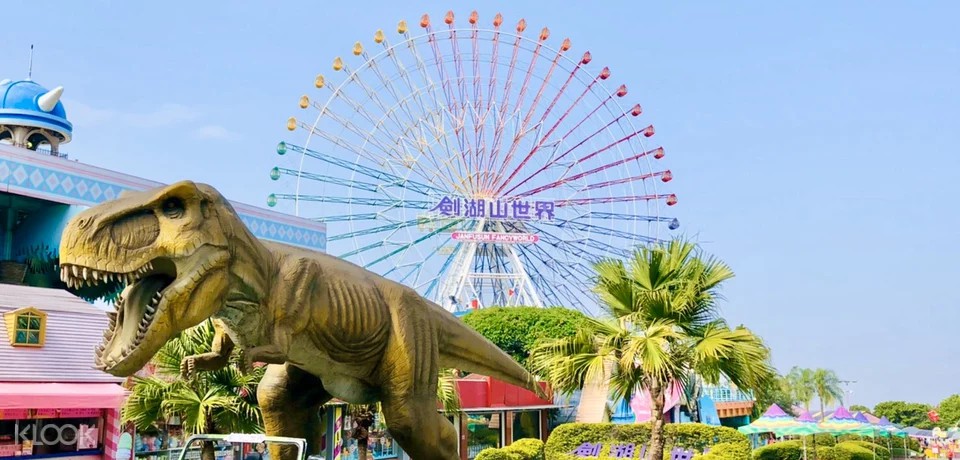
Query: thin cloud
{"x": 165, "y": 115}
{"x": 215, "y": 132}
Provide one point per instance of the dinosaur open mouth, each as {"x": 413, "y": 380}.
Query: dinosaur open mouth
{"x": 135, "y": 308}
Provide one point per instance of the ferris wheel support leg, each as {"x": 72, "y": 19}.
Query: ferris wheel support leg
{"x": 528, "y": 291}
{"x": 454, "y": 283}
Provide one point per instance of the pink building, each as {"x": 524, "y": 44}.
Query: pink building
{"x": 53, "y": 402}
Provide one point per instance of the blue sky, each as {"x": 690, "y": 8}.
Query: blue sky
{"x": 814, "y": 146}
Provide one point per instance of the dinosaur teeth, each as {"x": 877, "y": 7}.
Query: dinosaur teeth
{"x": 76, "y": 271}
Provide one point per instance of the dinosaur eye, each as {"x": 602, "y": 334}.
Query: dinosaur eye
{"x": 173, "y": 207}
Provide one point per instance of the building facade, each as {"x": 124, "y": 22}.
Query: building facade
{"x": 53, "y": 403}
{"x": 493, "y": 414}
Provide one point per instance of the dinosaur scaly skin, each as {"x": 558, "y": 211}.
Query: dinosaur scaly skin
{"x": 327, "y": 328}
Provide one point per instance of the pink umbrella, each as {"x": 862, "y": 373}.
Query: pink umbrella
{"x": 641, "y": 402}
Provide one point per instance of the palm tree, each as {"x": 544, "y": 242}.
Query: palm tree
{"x": 827, "y": 386}
{"x": 661, "y": 326}
{"x": 221, "y": 401}
{"x": 802, "y": 389}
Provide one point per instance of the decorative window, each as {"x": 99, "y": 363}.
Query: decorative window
{"x": 26, "y": 327}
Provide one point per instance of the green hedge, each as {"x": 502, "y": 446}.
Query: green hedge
{"x": 820, "y": 439}
{"x": 497, "y": 454}
{"x": 882, "y": 452}
{"x": 785, "y": 450}
{"x": 521, "y": 449}
{"x": 863, "y": 450}
{"x": 693, "y": 436}
{"x": 847, "y": 450}
{"x": 527, "y": 449}
{"x": 832, "y": 453}
{"x": 726, "y": 451}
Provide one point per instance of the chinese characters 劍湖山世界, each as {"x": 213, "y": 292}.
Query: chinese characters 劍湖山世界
{"x": 495, "y": 209}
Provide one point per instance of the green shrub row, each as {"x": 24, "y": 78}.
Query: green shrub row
{"x": 691, "y": 436}
{"x": 726, "y": 451}
{"x": 844, "y": 450}
{"x": 521, "y": 449}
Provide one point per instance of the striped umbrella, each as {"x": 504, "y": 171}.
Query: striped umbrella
{"x": 773, "y": 420}
{"x": 843, "y": 422}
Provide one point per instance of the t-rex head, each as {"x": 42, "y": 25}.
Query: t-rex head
{"x": 169, "y": 246}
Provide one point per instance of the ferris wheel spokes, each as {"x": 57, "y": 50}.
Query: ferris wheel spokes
{"x": 421, "y": 122}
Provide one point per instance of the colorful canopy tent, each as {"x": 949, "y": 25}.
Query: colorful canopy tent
{"x": 887, "y": 429}
{"x": 806, "y": 425}
{"x": 858, "y": 416}
{"x": 774, "y": 420}
{"x": 843, "y": 422}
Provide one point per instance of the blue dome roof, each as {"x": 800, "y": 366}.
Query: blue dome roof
{"x": 20, "y": 105}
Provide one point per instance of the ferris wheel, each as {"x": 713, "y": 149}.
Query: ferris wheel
{"x": 479, "y": 163}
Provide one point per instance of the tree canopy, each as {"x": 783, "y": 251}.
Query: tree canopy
{"x": 905, "y": 413}
{"x": 774, "y": 391}
{"x": 517, "y": 330}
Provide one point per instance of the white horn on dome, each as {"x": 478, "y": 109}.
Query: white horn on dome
{"x": 49, "y": 100}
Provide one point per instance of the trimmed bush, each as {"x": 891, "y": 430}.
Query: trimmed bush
{"x": 693, "y": 436}
{"x": 785, "y": 450}
{"x": 833, "y": 453}
{"x": 822, "y": 439}
{"x": 497, "y": 454}
{"x": 858, "y": 452}
{"x": 527, "y": 449}
{"x": 726, "y": 451}
{"x": 882, "y": 452}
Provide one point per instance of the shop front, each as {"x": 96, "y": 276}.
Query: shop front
{"x": 53, "y": 403}
{"x": 340, "y": 440}
{"x": 496, "y": 414}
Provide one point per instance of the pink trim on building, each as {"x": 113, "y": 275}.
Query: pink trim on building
{"x": 22, "y": 395}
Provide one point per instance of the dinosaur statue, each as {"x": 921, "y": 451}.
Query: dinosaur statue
{"x": 326, "y": 328}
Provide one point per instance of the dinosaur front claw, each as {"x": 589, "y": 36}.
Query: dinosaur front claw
{"x": 188, "y": 367}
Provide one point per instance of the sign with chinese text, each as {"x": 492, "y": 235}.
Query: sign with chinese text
{"x": 626, "y": 450}
{"x": 495, "y": 237}
{"x": 495, "y": 209}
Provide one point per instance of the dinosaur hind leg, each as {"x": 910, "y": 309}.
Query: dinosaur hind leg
{"x": 409, "y": 390}
{"x": 290, "y": 400}
{"x": 417, "y": 426}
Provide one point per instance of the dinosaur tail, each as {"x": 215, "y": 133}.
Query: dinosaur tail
{"x": 465, "y": 349}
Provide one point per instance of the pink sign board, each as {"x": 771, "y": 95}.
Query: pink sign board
{"x": 495, "y": 237}
{"x": 79, "y": 413}
{"x": 45, "y": 413}
{"x": 14, "y": 414}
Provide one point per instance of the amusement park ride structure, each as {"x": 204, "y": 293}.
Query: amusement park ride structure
{"x": 480, "y": 165}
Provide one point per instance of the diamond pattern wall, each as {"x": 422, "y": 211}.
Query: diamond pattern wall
{"x": 78, "y": 188}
